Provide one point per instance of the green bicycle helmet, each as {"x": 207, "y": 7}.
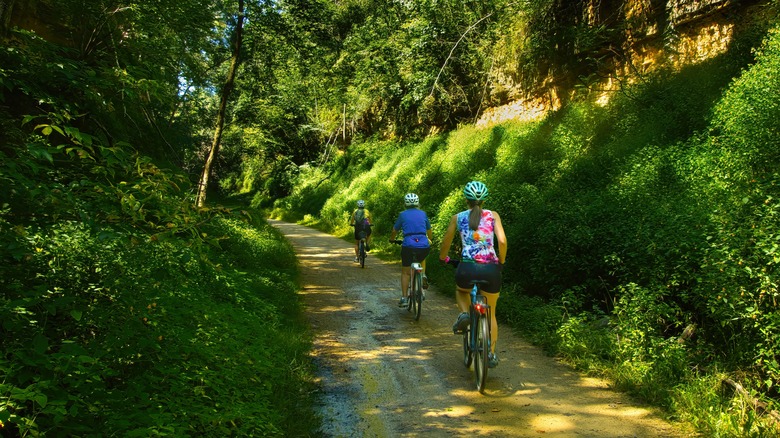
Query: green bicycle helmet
{"x": 475, "y": 191}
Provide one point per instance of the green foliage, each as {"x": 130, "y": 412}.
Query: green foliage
{"x": 124, "y": 310}
{"x": 716, "y": 409}
{"x": 152, "y": 337}
{"x": 642, "y": 234}
{"x": 139, "y": 303}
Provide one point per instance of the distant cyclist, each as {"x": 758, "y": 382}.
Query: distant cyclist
{"x": 416, "y": 228}
{"x": 480, "y": 230}
{"x": 361, "y": 221}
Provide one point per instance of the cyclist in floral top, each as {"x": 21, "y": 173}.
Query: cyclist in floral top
{"x": 480, "y": 230}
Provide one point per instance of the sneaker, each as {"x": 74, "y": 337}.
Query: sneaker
{"x": 357, "y": 259}
{"x": 492, "y": 360}
{"x": 403, "y": 302}
{"x": 425, "y": 282}
{"x": 461, "y": 323}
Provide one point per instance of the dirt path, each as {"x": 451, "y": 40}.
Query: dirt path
{"x": 385, "y": 375}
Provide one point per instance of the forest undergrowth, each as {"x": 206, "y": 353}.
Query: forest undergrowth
{"x": 125, "y": 311}
{"x": 643, "y": 242}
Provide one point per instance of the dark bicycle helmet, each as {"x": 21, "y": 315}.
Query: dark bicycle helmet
{"x": 475, "y": 191}
{"x": 411, "y": 200}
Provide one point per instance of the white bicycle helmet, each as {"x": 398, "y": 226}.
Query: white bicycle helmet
{"x": 411, "y": 200}
{"x": 361, "y": 203}
{"x": 475, "y": 191}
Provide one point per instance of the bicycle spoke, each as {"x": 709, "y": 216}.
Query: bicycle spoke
{"x": 467, "y": 354}
{"x": 481, "y": 360}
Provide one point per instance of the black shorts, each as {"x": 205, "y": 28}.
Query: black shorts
{"x": 490, "y": 272}
{"x": 409, "y": 254}
{"x": 359, "y": 230}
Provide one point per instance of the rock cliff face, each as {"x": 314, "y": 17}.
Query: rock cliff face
{"x": 656, "y": 34}
{"x": 39, "y": 16}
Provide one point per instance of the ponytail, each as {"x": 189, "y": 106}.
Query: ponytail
{"x": 476, "y": 214}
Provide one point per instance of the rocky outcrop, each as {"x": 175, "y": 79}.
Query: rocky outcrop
{"x": 656, "y": 34}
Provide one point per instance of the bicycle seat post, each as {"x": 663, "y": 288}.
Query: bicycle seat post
{"x": 475, "y": 288}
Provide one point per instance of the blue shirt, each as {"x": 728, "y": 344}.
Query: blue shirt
{"x": 414, "y": 223}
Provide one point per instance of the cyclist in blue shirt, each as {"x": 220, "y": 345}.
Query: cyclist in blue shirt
{"x": 416, "y": 228}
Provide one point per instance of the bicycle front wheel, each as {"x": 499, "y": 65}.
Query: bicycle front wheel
{"x": 481, "y": 353}
{"x": 416, "y": 296}
{"x": 362, "y": 254}
{"x": 468, "y": 353}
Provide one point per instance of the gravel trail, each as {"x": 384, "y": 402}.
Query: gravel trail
{"x": 383, "y": 374}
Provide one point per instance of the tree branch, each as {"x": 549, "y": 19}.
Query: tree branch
{"x": 757, "y": 405}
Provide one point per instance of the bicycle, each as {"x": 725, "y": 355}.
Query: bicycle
{"x": 362, "y": 248}
{"x": 415, "y": 293}
{"x": 476, "y": 337}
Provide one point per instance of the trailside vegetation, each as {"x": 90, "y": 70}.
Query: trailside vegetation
{"x": 642, "y": 231}
{"x": 125, "y": 310}
{"x": 643, "y": 242}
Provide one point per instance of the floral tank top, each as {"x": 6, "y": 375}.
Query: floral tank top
{"x": 477, "y": 245}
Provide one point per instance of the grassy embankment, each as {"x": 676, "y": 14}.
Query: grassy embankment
{"x": 642, "y": 234}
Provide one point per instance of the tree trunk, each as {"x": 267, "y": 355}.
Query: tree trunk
{"x": 204, "y": 178}
{"x": 6, "y": 8}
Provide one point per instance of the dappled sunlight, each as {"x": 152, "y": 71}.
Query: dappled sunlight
{"x": 531, "y": 391}
{"x": 343, "y": 308}
{"x": 402, "y": 351}
{"x": 317, "y": 252}
{"x": 452, "y": 411}
{"x": 551, "y": 423}
{"x": 709, "y": 41}
{"x": 314, "y": 289}
{"x": 386, "y": 374}
{"x": 519, "y": 110}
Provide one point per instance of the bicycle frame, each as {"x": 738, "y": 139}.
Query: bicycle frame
{"x": 479, "y": 307}
{"x": 477, "y": 337}
{"x": 414, "y": 289}
{"x": 416, "y": 268}
{"x": 362, "y": 249}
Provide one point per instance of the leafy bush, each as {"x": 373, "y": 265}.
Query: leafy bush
{"x": 642, "y": 240}
{"x": 151, "y": 337}
{"x": 126, "y": 311}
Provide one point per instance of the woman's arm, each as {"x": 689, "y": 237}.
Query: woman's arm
{"x": 447, "y": 239}
{"x": 498, "y": 229}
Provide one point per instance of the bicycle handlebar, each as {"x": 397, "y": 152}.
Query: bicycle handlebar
{"x": 449, "y": 261}
{"x": 397, "y": 241}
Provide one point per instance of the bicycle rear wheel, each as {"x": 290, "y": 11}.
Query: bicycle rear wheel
{"x": 416, "y": 296}
{"x": 481, "y": 353}
{"x": 362, "y": 254}
{"x": 409, "y": 294}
